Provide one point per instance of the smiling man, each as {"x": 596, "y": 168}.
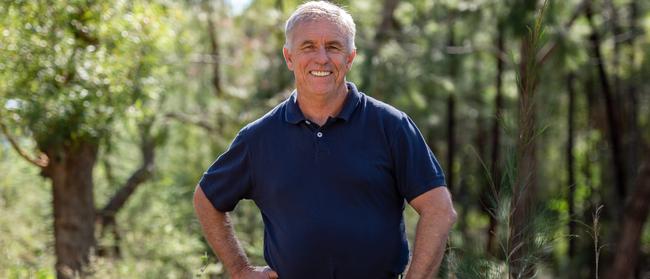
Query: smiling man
{"x": 330, "y": 169}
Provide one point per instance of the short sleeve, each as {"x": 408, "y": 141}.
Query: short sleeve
{"x": 416, "y": 168}
{"x": 228, "y": 180}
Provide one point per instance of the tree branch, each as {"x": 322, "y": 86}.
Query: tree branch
{"x": 214, "y": 49}
{"x": 141, "y": 175}
{"x": 42, "y": 160}
{"x": 546, "y": 51}
{"x": 106, "y": 216}
{"x": 187, "y": 119}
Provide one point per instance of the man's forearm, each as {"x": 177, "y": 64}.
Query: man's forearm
{"x": 218, "y": 230}
{"x": 430, "y": 240}
{"x": 437, "y": 215}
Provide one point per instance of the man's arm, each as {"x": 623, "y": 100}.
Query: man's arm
{"x": 218, "y": 230}
{"x": 437, "y": 216}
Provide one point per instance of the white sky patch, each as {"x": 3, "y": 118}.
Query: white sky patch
{"x": 238, "y": 6}
{"x": 12, "y": 104}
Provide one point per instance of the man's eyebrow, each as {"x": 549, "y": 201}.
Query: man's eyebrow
{"x": 334, "y": 43}
{"x": 329, "y": 43}
{"x": 307, "y": 42}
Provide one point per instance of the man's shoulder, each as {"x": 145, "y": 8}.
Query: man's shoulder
{"x": 383, "y": 111}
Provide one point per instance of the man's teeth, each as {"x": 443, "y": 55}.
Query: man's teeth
{"x": 320, "y": 73}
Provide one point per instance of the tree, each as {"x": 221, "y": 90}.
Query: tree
{"x": 71, "y": 70}
{"x": 522, "y": 206}
{"x": 495, "y": 165}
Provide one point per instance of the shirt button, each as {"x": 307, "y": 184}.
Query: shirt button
{"x": 319, "y": 134}
{"x": 307, "y": 121}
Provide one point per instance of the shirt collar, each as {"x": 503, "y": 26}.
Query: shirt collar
{"x": 351, "y": 102}
{"x": 292, "y": 112}
{"x": 294, "y": 115}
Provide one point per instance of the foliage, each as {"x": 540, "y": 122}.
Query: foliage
{"x": 95, "y": 70}
{"x": 70, "y": 69}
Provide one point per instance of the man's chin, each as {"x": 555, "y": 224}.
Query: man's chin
{"x": 320, "y": 90}
{"x": 320, "y": 87}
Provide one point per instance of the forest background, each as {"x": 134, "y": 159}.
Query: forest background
{"x": 111, "y": 110}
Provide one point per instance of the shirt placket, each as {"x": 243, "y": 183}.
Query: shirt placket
{"x": 318, "y": 135}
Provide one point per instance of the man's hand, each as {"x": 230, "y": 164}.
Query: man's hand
{"x": 219, "y": 232}
{"x": 256, "y": 272}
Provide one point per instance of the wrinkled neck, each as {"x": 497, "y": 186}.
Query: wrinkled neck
{"x": 319, "y": 108}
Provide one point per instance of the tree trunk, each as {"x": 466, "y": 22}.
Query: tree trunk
{"x": 71, "y": 171}
{"x": 451, "y": 140}
{"x": 214, "y": 50}
{"x": 630, "y": 100}
{"x": 521, "y": 234}
{"x": 610, "y": 106}
{"x": 590, "y": 157}
{"x": 635, "y": 215}
{"x": 453, "y": 67}
{"x": 617, "y": 32}
{"x": 626, "y": 260}
{"x": 571, "y": 166}
{"x": 384, "y": 31}
{"x": 491, "y": 193}
{"x": 481, "y": 142}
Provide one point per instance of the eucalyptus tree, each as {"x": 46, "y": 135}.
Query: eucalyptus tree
{"x": 68, "y": 71}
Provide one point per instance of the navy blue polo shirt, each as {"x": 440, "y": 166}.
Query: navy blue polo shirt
{"x": 331, "y": 196}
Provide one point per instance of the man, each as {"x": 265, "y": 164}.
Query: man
{"x": 329, "y": 169}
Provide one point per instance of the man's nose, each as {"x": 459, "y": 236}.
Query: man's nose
{"x": 322, "y": 57}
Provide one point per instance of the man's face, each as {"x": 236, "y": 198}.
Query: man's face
{"x": 319, "y": 57}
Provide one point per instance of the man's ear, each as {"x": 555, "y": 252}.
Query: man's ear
{"x": 351, "y": 56}
{"x": 287, "y": 58}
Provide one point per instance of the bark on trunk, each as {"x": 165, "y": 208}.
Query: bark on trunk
{"x": 585, "y": 165}
{"x": 634, "y": 217}
{"x": 630, "y": 100}
{"x": 387, "y": 26}
{"x": 617, "y": 32}
{"x": 610, "y": 106}
{"x": 481, "y": 142}
{"x": 626, "y": 261}
{"x": 571, "y": 166}
{"x": 521, "y": 236}
{"x": 451, "y": 140}
{"x": 71, "y": 172}
{"x": 491, "y": 192}
{"x": 451, "y": 111}
{"x": 214, "y": 50}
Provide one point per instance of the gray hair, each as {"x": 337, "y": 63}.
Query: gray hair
{"x": 318, "y": 10}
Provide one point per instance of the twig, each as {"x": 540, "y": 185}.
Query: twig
{"x": 595, "y": 231}
{"x": 188, "y": 119}
{"x": 42, "y": 160}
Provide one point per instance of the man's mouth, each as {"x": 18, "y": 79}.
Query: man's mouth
{"x": 320, "y": 73}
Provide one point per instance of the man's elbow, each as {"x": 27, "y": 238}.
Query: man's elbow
{"x": 446, "y": 211}
{"x": 443, "y": 215}
{"x": 452, "y": 217}
{"x": 197, "y": 188}
{"x": 199, "y": 200}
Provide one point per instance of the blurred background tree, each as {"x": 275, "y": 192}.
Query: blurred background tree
{"x": 111, "y": 110}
